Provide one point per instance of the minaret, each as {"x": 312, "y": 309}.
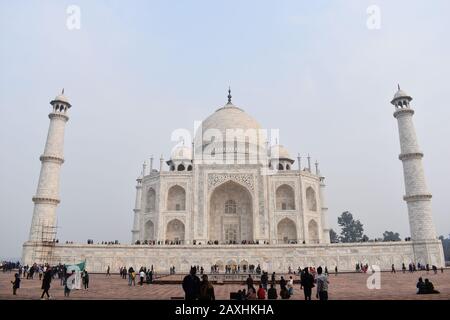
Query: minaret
{"x": 43, "y": 224}
{"x": 137, "y": 207}
{"x": 151, "y": 164}
{"x": 323, "y": 208}
{"x": 161, "y": 163}
{"x": 417, "y": 196}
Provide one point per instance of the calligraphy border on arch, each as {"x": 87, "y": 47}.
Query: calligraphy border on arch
{"x": 215, "y": 179}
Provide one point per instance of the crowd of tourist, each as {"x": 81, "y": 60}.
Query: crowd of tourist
{"x": 196, "y": 289}
{"x": 209, "y": 242}
{"x": 9, "y": 265}
{"x": 260, "y": 287}
{"x": 46, "y": 274}
{"x": 144, "y": 275}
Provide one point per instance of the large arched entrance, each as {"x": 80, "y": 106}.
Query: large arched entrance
{"x": 230, "y": 214}
{"x": 287, "y": 232}
{"x": 175, "y": 231}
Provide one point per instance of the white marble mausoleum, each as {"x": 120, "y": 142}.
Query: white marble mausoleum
{"x": 232, "y": 195}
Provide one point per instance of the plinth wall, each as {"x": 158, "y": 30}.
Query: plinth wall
{"x": 271, "y": 257}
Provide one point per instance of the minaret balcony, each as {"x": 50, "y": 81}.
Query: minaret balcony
{"x": 412, "y": 155}
{"x": 418, "y": 197}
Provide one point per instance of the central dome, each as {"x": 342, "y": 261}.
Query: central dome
{"x": 231, "y": 118}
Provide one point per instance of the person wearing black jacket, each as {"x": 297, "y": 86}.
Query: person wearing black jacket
{"x": 272, "y": 293}
{"x": 307, "y": 283}
{"x": 264, "y": 280}
{"x": 191, "y": 285}
{"x": 249, "y": 282}
{"x": 46, "y": 283}
{"x": 16, "y": 283}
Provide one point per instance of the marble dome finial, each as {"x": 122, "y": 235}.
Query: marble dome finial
{"x": 229, "y": 95}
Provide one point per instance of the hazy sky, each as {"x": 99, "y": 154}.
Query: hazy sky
{"x": 137, "y": 70}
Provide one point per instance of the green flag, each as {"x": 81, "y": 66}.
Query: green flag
{"x": 82, "y": 265}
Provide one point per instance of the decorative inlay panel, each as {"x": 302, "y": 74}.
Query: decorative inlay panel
{"x": 215, "y": 179}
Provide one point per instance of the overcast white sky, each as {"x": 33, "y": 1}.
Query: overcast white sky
{"x": 137, "y": 70}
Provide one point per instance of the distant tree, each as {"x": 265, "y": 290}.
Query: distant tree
{"x": 333, "y": 236}
{"x": 351, "y": 230}
{"x": 391, "y": 236}
{"x": 365, "y": 238}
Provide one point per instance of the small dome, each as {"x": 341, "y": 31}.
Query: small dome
{"x": 61, "y": 98}
{"x": 401, "y": 94}
{"x": 279, "y": 152}
{"x": 181, "y": 153}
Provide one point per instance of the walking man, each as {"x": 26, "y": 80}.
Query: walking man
{"x": 322, "y": 285}
{"x": 46, "y": 284}
{"x": 306, "y": 283}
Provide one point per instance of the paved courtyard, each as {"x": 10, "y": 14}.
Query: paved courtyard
{"x": 349, "y": 286}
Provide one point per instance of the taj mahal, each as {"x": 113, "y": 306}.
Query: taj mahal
{"x": 232, "y": 196}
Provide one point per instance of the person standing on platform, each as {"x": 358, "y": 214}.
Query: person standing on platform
{"x": 46, "y": 284}
{"x": 249, "y": 282}
{"x": 322, "y": 285}
{"x": 142, "y": 277}
{"x": 306, "y": 283}
{"x": 16, "y": 283}
{"x": 206, "y": 289}
{"x": 85, "y": 279}
{"x": 264, "y": 280}
{"x": 191, "y": 285}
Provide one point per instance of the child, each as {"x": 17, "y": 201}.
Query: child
{"x": 16, "y": 283}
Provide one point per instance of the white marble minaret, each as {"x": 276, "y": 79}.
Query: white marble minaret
{"x": 137, "y": 206}
{"x": 43, "y": 224}
{"x": 416, "y": 196}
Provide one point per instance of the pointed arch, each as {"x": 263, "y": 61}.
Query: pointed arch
{"x": 149, "y": 231}
{"x": 230, "y": 213}
{"x": 175, "y": 230}
{"x": 150, "y": 200}
{"x": 311, "y": 199}
{"x": 285, "y": 198}
{"x": 287, "y": 231}
{"x": 176, "y": 198}
{"x": 313, "y": 231}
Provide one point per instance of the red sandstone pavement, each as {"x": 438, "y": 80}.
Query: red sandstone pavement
{"x": 349, "y": 286}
